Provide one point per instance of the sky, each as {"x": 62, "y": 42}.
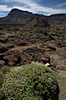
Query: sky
{"x": 45, "y": 7}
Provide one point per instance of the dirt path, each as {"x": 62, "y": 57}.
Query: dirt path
{"x": 61, "y": 76}
{"x": 58, "y": 59}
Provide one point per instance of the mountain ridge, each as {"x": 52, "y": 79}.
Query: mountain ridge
{"x": 17, "y": 16}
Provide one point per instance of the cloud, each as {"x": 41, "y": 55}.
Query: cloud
{"x": 61, "y": 5}
{"x": 36, "y": 7}
{"x": 4, "y": 8}
{"x": 32, "y": 6}
{"x": 2, "y": 14}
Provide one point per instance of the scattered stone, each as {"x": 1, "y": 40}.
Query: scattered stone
{"x": 10, "y": 45}
{"x": 45, "y": 60}
{"x": 2, "y": 62}
{"x": 3, "y": 38}
{"x": 22, "y": 43}
{"x": 12, "y": 57}
{"x": 47, "y": 65}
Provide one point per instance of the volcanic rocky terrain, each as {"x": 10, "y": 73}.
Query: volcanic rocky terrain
{"x": 26, "y": 37}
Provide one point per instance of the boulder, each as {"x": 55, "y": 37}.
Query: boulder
{"x": 10, "y": 45}
{"x": 45, "y": 60}
{"x": 22, "y": 43}
{"x": 2, "y": 62}
{"x": 12, "y": 58}
{"x": 3, "y": 38}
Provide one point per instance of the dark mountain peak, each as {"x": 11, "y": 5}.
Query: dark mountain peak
{"x": 18, "y": 11}
{"x": 17, "y": 16}
{"x": 15, "y": 10}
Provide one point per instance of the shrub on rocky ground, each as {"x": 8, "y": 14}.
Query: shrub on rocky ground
{"x": 3, "y": 48}
{"x": 31, "y": 82}
{"x": 1, "y": 77}
{"x": 5, "y": 69}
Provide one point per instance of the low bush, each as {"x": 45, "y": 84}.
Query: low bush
{"x": 2, "y": 95}
{"x": 1, "y": 77}
{"x": 3, "y": 72}
{"x": 31, "y": 82}
{"x": 5, "y": 69}
{"x": 3, "y": 48}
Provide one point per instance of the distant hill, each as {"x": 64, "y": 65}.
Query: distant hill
{"x": 17, "y": 16}
{"x": 33, "y": 37}
{"x": 59, "y": 19}
{"x": 24, "y": 20}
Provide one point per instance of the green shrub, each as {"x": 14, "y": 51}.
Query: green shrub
{"x": 1, "y": 77}
{"x": 3, "y": 48}
{"x": 2, "y": 95}
{"x": 31, "y": 82}
{"x": 5, "y": 69}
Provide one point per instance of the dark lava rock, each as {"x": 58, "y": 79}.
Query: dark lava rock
{"x": 22, "y": 43}
{"x": 1, "y": 56}
{"x": 45, "y": 60}
{"x": 12, "y": 58}
{"x": 3, "y": 38}
{"x": 35, "y": 53}
{"x": 25, "y": 58}
{"x": 10, "y": 45}
{"x": 15, "y": 57}
{"x": 52, "y": 48}
{"x": 61, "y": 44}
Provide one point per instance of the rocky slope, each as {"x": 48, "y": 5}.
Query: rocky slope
{"x": 32, "y": 36}
{"x": 22, "y": 50}
{"x": 26, "y": 37}
{"x": 17, "y": 16}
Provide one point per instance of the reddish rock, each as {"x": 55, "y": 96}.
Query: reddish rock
{"x": 2, "y": 62}
{"x": 28, "y": 55}
{"x": 45, "y": 60}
